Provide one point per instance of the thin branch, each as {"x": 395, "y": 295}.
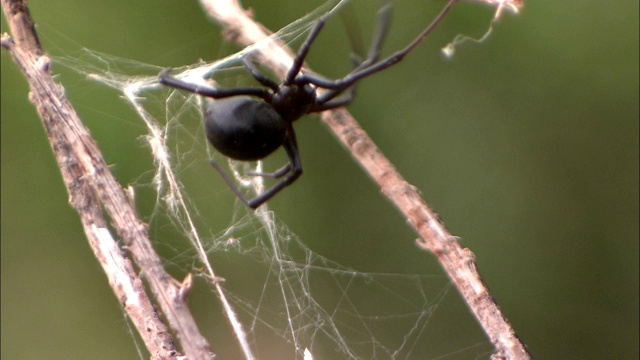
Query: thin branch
{"x": 458, "y": 262}
{"x": 92, "y": 188}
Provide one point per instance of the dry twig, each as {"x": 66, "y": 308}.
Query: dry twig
{"x": 92, "y": 188}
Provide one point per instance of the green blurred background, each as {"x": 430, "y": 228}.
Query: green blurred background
{"x": 526, "y": 146}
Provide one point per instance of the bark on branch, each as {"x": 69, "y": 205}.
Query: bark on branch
{"x": 93, "y": 188}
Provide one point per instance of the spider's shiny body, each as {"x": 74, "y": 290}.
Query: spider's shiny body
{"x": 243, "y": 128}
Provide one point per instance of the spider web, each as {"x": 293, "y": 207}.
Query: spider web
{"x": 308, "y": 305}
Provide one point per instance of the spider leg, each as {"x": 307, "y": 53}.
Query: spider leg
{"x": 304, "y": 50}
{"x": 274, "y": 175}
{"x": 336, "y": 103}
{"x": 230, "y": 183}
{"x": 382, "y": 28}
{"x": 291, "y": 148}
{"x": 327, "y": 100}
{"x": 258, "y": 76}
{"x": 168, "y": 80}
{"x": 293, "y": 170}
{"x": 363, "y": 71}
{"x": 331, "y": 99}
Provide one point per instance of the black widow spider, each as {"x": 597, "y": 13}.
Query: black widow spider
{"x": 247, "y": 129}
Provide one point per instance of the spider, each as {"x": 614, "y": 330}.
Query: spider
{"x": 249, "y": 124}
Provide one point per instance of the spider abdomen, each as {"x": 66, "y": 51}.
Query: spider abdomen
{"x": 243, "y": 128}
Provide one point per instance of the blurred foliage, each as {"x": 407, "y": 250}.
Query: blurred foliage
{"x": 526, "y": 145}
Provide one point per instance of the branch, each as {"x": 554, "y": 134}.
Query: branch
{"x": 92, "y": 188}
{"x": 458, "y": 262}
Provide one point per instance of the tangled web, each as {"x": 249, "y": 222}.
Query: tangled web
{"x": 308, "y": 305}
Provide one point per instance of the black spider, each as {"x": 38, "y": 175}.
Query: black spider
{"x": 244, "y": 128}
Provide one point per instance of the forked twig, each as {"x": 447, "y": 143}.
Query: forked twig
{"x": 458, "y": 262}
